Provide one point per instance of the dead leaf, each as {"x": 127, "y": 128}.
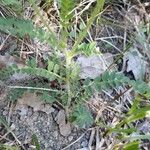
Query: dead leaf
{"x": 34, "y": 101}
{"x": 61, "y": 117}
{"x": 9, "y": 60}
{"x": 94, "y": 65}
{"x": 135, "y": 63}
{"x": 64, "y": 128}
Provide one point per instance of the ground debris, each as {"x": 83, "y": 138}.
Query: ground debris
{"x": 34, "y": 101}
{"x": 94, "y": 65}
{"x": 64, "y": 128}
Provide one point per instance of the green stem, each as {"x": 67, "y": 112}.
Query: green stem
{"x": 32, "y": 88}
{"x": 68, "y": 63}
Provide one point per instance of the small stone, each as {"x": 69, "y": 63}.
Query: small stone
{"x": 70, "y": 138}
{"x": 13, "y": 127}
{"x": 65, "y": 129}
{"x": 60, "y": 118}
{"x": 84, "y": 144}
{"x": 5, "y": 113}
{"x": 30, "y": 111}
{"x": 55, "y": 134}
{"x": 23, "y": 111}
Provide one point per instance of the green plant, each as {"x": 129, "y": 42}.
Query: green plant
{"x": 19, "y": 27}
{"x": 142, "y": 37}
{"x": 12, "y": 7}
{"x": 7, "y": 147}
{"x": 71, "y": 93}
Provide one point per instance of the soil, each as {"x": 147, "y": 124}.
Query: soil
{"x": 26, "y": 122}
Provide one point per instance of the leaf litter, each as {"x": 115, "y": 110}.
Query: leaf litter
{"x": 135, "y": 63}
{"x": 94, "y": 65}
{"x": 34, "y": 101}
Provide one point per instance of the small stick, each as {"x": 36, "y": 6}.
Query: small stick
{"x": 91, "y": 138}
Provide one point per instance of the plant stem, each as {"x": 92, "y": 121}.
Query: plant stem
{"x": 32, "y": 88}
{"x": 68, "y": 63}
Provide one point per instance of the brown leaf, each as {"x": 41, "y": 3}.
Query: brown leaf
{"x": 135, "y": 63}
{"x": 61, "y": 117}
{"x": 94, "y": 65}
{"x": 64, "y": 128}
{"x": 34, "y": 101}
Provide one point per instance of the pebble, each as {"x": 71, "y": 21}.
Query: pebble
{"x": 70, "y": 138}
{"x": 84, "y": 144}
{"x": 13, "y": 127}
{"x": 5, "y": 113}
{"x": 55, "y": 134}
